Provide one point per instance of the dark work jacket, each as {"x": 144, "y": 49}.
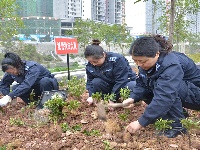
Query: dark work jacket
{"x": 164, "y": 81}
{"x": 34, "y": 72}
{"x": 115, "y": 71}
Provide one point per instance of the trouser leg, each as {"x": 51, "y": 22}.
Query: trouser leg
{"x": 175, "y": 112}
{"x": 26, "y": 96}
{"x": 99, "y": 85}
{"x": 190, "y": 95}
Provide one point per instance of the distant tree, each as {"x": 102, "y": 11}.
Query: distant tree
{"x": 9, "y": 22}
{"x": 173, "y": 21}
{"x": 87, "y": 30}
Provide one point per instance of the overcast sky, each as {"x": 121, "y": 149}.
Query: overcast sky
{"x": 135, "y": 16}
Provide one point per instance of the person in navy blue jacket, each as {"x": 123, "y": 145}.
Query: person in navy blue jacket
{"x": 167, "y": 82}
{"x": 29, "y": 75}
{"x": 107, "y": 72}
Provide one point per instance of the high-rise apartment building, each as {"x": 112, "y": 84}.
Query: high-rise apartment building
{"x": 195, "y": 27}
{"x": 64, "y": 9}
{"x": 152, "y": 13}
{"x": 39, "y": 8}
{"x": 108, "y": 11}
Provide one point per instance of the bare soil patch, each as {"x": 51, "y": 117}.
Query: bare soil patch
{"x": 20, "y": 130}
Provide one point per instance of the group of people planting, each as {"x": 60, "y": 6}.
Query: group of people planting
{"x": 166, "y": 80}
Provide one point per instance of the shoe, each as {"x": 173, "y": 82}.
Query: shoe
{"x": 174, "y": 132}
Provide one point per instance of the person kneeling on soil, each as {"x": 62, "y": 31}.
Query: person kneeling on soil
{"x": 28, "y": 74}
{"x": 167, "y": 82}
{"x": 107, "y": 72}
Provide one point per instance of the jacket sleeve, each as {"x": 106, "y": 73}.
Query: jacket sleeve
{"x": 138, "y": 91}
{"x": 89, "y": 82}
{"x": 120, "y": 73}
{"x": 165, "y": 94}
{"x": 5, "y": 84}
{"x": 30, "y": 79}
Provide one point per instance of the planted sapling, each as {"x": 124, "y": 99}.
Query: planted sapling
{"x": 109, "y": 97}
{"x": 97, "y": 97}
{"x": 124, "y": 93}
{"x": 76, "y": 87}
{"x": 16, "y": 121}
{"x": 162, "y": 125}
{"x": 55, "y": 105}
{"x": 65, "y": 127}
{"x": 190, "y": 124}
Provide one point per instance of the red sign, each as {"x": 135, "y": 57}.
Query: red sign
{"x": 66, "y": 45}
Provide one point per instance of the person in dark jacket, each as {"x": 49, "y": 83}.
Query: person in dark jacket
{"x": 28, "y": 75}
{"x": 167, "y": 82}
{"x": 107, "y": 72}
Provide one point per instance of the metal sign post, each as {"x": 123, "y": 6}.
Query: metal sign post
{"x": 66, "y": 46}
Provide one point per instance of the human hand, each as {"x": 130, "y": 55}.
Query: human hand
{"x": 5, "y": 100}
{"x": 90, "y": 100}
{"x": 128, "y": 103}
{"x": 133, "y": 127}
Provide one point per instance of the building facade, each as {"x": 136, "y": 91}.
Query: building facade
{"x": 108, "y": 11}
{"x": 66, "y": 9}
{"x": 39, "y": 8}
{"x": 153, "y": 13}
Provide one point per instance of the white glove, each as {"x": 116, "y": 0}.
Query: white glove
{"x": 90, "y": 100}
{"x": 4, "y": 101}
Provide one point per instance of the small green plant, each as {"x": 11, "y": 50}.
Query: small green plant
{"x": 73, "y": 105}
{"x": 107, "y": 145}
{"x": 123, "y": 116}
{"x": 16, "y": 121}
{"x": 65, "y": 127}
{"x": 190, "y": 124}
{"x": 124, "y": 93}
{"x": 92, "y": 132}
{"x": 109, "y": 97}
{"x": 77, "y": 127}
{"x": 63, "y": 82}
{"x": 162, "y": 125}
{"x": 76, "y": 87}
{"x": 1, "y": 110}
{"x": 97, "y": 97}
{"x": 55, "y": 104}
{"x": 3, "y": 147}
{"x": 31, "y": 105}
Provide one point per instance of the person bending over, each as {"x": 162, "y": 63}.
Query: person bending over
{"x": 107, "y": 72}
{"x": 167, "y": 82}
{"x": 29, "y": 75}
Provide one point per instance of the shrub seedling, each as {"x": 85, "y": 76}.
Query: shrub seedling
{"x": 124, "y": 93}
{"x": 190, "y": 124}
{"x": 16, "y": 121}
{"x": 92, "y": 132}
{"x": 97, "y": 97}
{"x": 73, "y": 105}
{"x": 77, "y": 127}
{"x": 109, "y": 97}
{"x": 55, "y": 105}
{"x": 123, "y": 116}
{"x": 65, "y": 127}
{"x": 162, "y": 125}
{"x": 76, "y": 87}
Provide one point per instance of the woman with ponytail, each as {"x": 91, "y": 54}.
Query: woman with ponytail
{"x": 167, "y": 82}
{"x": 29, "y": 75}
{"x": 107, "y": 72}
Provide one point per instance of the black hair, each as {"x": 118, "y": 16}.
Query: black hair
{"x": 149, "y": 46}
{"x": 12, "y": 59}
{"x": 94, "y": 50}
